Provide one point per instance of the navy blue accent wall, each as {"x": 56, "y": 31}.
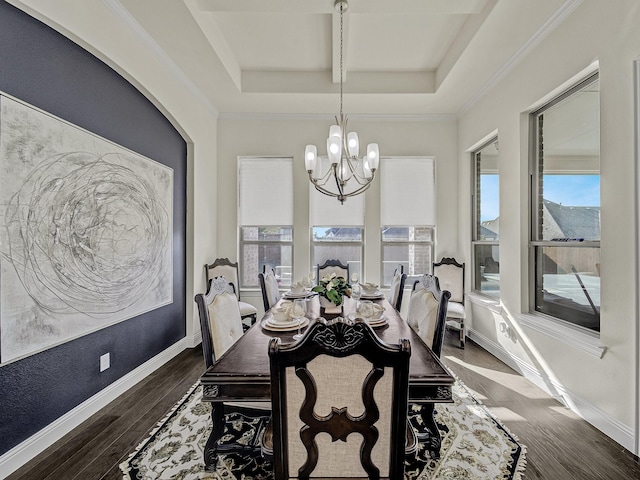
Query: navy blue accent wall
{"x": 45, "y": 69}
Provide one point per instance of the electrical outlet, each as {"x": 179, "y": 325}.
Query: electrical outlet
{"x": 105, "y": 361}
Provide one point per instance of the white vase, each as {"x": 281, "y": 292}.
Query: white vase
{"x": 329, "y": 307}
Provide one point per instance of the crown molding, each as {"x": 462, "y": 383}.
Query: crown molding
{"x": 134, "y": 26}
{"x": 435, "y": 118}
{"x": 544, "y": 31}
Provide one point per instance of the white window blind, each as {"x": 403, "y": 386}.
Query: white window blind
{"x": 407, "y": 191}
{"x": 325, "y": 210}
{"x": 265, "y": 191}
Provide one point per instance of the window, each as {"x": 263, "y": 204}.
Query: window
{"x": 410, "y": 248}
{"x": 342, "y": 243}
{"x": 486, "y": 211}
{"x": 566, "y": 207}
{"x": 337, "y": 230}
{"x": 407, "y": 216}
{"x": 270, "y": 247}
{"x": 265, "y": 217}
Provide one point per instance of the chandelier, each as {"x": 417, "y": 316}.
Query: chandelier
{"x": 347, "y": 175}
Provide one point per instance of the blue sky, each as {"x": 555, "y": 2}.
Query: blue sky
{"x": 571, "y": 190}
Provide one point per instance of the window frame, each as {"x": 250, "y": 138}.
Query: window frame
{"x": 475, "y": 218}
{"x": 242, "y": 243}
{"x": 383, "y": 243}
{"x": 313, "y": 243}
{"x": 535, "y": 211}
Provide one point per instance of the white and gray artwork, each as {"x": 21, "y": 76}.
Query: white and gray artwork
{"x": 85, "y": 232}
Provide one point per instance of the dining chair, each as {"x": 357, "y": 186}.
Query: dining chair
{"x": 323, "y": 426}
{"x": 428, "y": 310}
{"x": 221, "y": 326}
{"x": 332, "y": 266}
{"x": 450, "y": 274}
{"x": 269, "y": 288}
{"x": 396, "y": 290}
{"x": 228, "y": 269}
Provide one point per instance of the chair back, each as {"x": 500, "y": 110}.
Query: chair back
{"x": 315, "y": 407}
{"x": 450, "y": 274}
{"x": 223, "y": 267}
{"x": 428, "y": 311}
{"x": 396, "y": 290}
{"x": 220, "y": 322}
{"x": 269, "y": 288}
{"x": 332, "y": 266}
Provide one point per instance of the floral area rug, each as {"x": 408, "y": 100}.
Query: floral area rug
{"x": 474, "y": 445}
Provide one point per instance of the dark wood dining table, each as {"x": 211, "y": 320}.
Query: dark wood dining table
{"x": 242, "y": 373}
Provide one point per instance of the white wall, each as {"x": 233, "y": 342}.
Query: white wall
{"x": 248, "y": 136}
{"x": 603, "y": 389}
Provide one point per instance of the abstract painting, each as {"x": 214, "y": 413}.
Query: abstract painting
{"x": 85, "y": 231}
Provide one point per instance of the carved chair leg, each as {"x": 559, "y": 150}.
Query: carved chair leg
{"x": 462, "y": 335}
{"x": 432, "y": 435}
{"x": 211, "y": 448}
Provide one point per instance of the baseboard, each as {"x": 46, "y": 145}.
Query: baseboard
{"x": 194, "y": 340}
{"x": 37, "y": 443}
{"x": 616, "y": 430}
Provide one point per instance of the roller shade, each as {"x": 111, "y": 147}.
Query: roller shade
{"x": 407, "y": 191}
{"x": 265, "y": 191}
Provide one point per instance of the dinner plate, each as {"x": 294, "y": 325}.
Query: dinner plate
{"x": 372, "y": 296}
{"x": 275, "y": 327}
{"x": 298, "y": 295}
{"x": 380, "y": 322}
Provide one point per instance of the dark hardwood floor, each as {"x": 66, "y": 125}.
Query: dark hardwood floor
{"x": 560, "y": 446}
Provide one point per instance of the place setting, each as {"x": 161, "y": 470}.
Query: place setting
{"x": 371, "y": 313}
{"x": 301, "y": 289}
{"x": 287, "y": 317}
{"x": 370, "y": 291}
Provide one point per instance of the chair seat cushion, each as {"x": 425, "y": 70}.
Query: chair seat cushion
{"x": 247, "y": 309}
{"x": 455, "y": 310}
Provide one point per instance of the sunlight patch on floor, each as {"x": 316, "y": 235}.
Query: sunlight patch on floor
{"x": 506, "y": 414}
{"x": 513, "y": 381}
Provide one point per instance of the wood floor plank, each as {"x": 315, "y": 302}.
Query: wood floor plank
{"x": 560, "y": 445}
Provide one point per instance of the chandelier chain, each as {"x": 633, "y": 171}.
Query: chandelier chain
{"x": 341, "y": 77}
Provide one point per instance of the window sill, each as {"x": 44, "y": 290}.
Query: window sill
{"x": 491, "y": 303}
{"x": 584, "y": 341}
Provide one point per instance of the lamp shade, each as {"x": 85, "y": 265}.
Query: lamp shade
{"x": 373, "y": 154}
{"x": 352, "y": 144}
{"x": 334, "y": 149}
{"x": 310, "y": 156}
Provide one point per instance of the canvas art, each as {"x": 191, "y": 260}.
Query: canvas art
{"x": 85, "y": 231}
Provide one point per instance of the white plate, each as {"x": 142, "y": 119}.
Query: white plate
{"x": 275, "y": 324}
{"x": 298, "y": 295}
{"x": 381, "y": 322}
{"x": 277, "y": 328}
{"x": 372, "y": 296}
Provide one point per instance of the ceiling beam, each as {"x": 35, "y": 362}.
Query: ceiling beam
{"x": 355, "y": 6}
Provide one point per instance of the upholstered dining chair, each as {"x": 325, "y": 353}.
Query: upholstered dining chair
{"x": 228, "y": 269}
{"x": 332, "y": 266}
{"x": 450, "y": 274}
{"x": 428, "y": 310}
{"x": 316, "y": 409}
{"x": 396, "y": 290}
{"x": 269, "y": 288}
{"x": 221, "y": 326}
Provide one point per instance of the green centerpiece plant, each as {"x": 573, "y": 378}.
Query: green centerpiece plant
{"x": 333, "y": 288}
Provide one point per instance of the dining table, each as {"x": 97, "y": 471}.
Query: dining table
{"x": 242, "y": 373}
